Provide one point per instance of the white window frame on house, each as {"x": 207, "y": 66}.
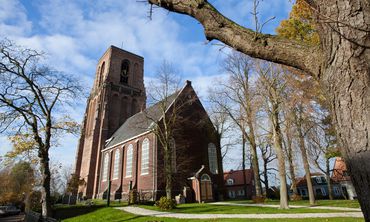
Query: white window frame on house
{"x": 230, "y": 181}
{"x": 231, "y": 194}
{"x": 212, "y": 158}
{"x": 318, "y": 180}
{"x": 145, "y": 146}
{"x": 117, "y": 156}
{"x": 240, "y": 192}
{"x": 105, "y": 167}
{"x": 336, "y": 190}
{"x": 323, "y": 191}
{"x": 129, "y": 157}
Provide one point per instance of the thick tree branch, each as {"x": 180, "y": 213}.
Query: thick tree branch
{"x": 262, "y": 46}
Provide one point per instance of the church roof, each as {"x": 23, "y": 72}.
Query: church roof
{"x": 141, "y": 122}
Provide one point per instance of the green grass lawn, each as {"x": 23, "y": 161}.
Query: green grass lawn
{"x": 222, "y": 209}
{"x": 110, "y": 214}
{"x": 331, "y": 203}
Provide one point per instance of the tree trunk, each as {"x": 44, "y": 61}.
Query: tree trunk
{"x": 256, "y": 172}
{"x": 291, "y": 164}
{"x": 252, "y": 141}
{"x": 243, "y": 164}
{"x": 346, "y": 76}
{"x": 45, "y": 188}
{"x": 280, "y": 156}
{"x": 306, "y": 165}
{"x": 168, "y": 173}
{"x": 328, "y": 179}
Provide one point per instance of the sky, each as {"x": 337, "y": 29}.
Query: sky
{"x": 75, "y": 33}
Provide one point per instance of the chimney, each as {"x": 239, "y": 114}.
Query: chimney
{"x": 188, "y": 83}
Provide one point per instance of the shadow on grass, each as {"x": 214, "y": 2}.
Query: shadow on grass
{"x": 64, "y": 213}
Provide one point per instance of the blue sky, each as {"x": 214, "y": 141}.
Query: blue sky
{"x": 75, "y": 33}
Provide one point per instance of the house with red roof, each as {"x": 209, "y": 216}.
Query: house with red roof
{"x": 235, "y": 186}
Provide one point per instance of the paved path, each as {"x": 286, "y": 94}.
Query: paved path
{"x": 290, "y": 206}
{"x": 153, "y": 213}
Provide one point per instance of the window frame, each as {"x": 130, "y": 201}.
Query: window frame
{"x": 212, "y": 158}
{"x": 117, "y": 157}
{"x": 105, "y": 167}
{"x": 142, "y": 164}
{"x": 129, "y": 160}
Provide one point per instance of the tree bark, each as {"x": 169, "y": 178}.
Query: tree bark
{"x": 346, "y": 76}
{"x": 280, "y": 156}
{"x": 252, "y": 141}
{"x": 45, "y": 188}
{"x": 291, "y": 165}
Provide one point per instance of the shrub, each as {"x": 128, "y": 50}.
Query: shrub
{"x": 165, "y": 204}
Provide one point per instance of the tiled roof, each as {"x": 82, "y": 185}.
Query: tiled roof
{"x": 237, "y": 176}
{"x": 141, "y": 122}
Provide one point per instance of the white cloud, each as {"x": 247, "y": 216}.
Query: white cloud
{"x": 13, "y": 19}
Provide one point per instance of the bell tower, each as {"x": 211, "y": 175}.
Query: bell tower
{"x": 117, "y": 94}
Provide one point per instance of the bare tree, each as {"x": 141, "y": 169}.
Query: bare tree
{"x": 298, "y": 112}
{"x": 271, "y": 87}
{"x": 31, "y": 98}
{"x": 289, "y": 150}
{"x": 343, "y": 29}
{"x": 161, "y": 92}
{"x": 239, "y": 91}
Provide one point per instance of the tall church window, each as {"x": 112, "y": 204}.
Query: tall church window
{"x": 145, "y": 157}
{"x": 129, "y": 155}
{"x": 212, "y": 157}
{"x": 125, "y": 68}
{"x": 105, "y": 167}
{"x": 116, "y": 164}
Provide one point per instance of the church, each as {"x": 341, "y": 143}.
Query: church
{"x": 119, "y": 151}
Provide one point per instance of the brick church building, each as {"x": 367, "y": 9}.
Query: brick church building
{"x": 118, "y": 145}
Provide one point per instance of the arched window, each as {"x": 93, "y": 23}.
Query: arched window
{"x": 105, "y": 167}
{"x": 125, "y": 68}
{"x": 205, "y": 177}
{"x": 230, "y": 181}
{"x": 212, "y": 157}
{"x": 145, "y": 157}
{"x": 129, "y": 156}
{"x": 116, "y": 164}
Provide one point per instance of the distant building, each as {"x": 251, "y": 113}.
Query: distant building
{"x": 341, "y": 176}
{"x": 234, "y": 184}
{"x": 320, "y": 187}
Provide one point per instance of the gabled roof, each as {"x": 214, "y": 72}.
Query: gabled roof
{"x": 143, "y": 121}
{"x": 237, "y": 176}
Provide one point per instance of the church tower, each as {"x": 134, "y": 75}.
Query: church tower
{"x": 118, "y": 93}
